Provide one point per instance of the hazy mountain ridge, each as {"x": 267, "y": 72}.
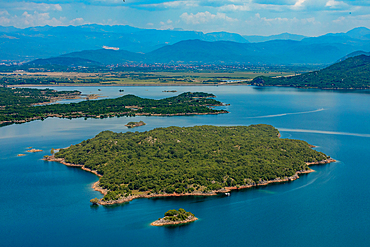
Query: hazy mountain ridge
{"x": 277, "y": 52}
{"x": 282, "y": 36}
{"x": 170, "y": 46}
{"x": 43, "y": 42}
{"x": 352, "y": 73}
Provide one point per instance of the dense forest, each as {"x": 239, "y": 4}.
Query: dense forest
{"x": 17, "y": 108}
{"x": 189, "y": 159}
{"x": 14, "y": 97}
{"x": 352, "y": 73}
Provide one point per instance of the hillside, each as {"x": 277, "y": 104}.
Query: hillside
{"x": 352, "y": 73}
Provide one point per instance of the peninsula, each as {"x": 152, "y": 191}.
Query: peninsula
{"x": 175, "y": 217}
{"x": 200, "y": 160}
{"x": 20, "y": 108}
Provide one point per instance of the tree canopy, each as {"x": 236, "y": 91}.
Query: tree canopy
{"x": 189, "y": 159}
{"x": 17, "y": 108}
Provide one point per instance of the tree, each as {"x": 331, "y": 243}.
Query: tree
{"x": 94, "y": 201}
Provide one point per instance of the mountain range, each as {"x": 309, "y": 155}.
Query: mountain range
{"x": 125, "y": 44}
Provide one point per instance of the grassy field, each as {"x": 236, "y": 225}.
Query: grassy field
{"x": 134, "y": 78}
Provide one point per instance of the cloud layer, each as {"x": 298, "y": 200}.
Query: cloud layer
{"x": 261, "y": 17}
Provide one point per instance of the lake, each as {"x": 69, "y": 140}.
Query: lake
{"x": 47, "y": 204}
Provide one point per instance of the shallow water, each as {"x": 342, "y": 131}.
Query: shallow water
{"x": 47, "y": 204}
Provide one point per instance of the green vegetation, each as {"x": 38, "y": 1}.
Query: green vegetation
{"x": 94, "y": 201}
{"x": 16, "y": 97}
{"x": 352, "y": 73}
{"x": 134, "y": 124}
{"x": 159, "y": 76}
{"x": 17, "y": 108}
{"x": 177, "y": 215}
{"x": 189, "y": 159}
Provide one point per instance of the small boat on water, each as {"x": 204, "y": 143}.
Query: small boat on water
{"x": 227, "y": 194}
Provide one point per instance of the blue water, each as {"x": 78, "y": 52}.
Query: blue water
{"x": 47, "y": 204}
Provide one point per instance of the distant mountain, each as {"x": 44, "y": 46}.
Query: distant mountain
{"x": 42, "y": 42}
{"x": 170, "y": 46}
{"x": 107, "y": 57}
{"x": 352, "y": 73}
{"x": 64, "y": 61}
{"x": 357, "y": 36}
{"x": 354, "y": 54}
{"x": 225, "y": 52}
{"x": 359, "y": 33}
{"x": 275, "y": 52}
{"x": 283, "y": 36}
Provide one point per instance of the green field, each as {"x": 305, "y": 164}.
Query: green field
{"x": 132, "y": 78}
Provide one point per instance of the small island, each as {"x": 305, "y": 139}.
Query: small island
{"x": 175, "y": 217}
{"x": 34, "y": 150}
{"x": 135, "y": 124}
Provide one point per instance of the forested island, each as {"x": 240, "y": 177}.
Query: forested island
{"x": 175, "y": 217}
{"x": 200, "y": 160}
{"x": 352, "y": 73}
{"x": 18, "y": 106}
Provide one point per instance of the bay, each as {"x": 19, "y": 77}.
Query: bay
{"x": 47, "y": 204}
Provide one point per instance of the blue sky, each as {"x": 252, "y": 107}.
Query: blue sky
{"x": 246, "y": 17}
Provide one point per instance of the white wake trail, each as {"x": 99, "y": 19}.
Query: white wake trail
{"x": 323, "y": 132}
{"x": 291, "y": 113}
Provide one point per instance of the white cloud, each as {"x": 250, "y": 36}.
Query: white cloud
{"x": 333, "y": 4}
{"x": 77, "y": 21}
{"x": 173, "y": 4}
{"x": 177, "y": 4}
{"x": 165, "y": 26}
{"x": 204, "y": 17}
{"x": 30, "y": 19}
{"x": 257, "y": 20}
{"x": 298, "y": 4}
{"x": 233, "y": 7}
{"x": 31, "y": 6}
{"x": 4, "y": 12}
{"x": 339, "y": 20}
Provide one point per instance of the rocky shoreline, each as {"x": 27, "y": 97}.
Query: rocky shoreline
{"x": 96, "y": 186}
{"x": 62, "y": 161}
{"x": 81, "y": 115}
{"x": 164, "y": 222}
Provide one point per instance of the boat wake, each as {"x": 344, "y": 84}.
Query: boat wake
{"x": 324, "y": 132}
{"x": 286, "y": 114}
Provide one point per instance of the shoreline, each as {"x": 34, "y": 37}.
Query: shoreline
{"x": 121, "y": 85}
{"x": 96, "y": 186}
{"x": 170, "y": 223}
{"x": 4, "y": 123}
{"x": 181, "y": 85}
